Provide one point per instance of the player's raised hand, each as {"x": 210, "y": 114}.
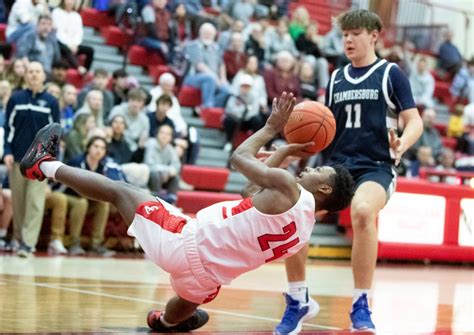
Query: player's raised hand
{"x": 281, "y": 111}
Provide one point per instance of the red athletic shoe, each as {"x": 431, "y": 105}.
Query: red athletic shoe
{"x": 45, "y": 147}
{"x": 195, "y": 321}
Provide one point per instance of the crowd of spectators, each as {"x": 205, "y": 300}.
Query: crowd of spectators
{"x": 240, "y": 56}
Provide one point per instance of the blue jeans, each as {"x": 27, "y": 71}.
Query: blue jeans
{"x": 212, "y": 94}
{"x": 156, "y": 45}
{"x": 21, "y": 30}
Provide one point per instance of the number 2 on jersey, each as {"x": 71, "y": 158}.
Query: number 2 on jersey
{"x": 288, "y": 231}
{"x": 357, "y": 110}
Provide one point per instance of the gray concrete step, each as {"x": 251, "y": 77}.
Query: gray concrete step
{"x": 93, "y": 39}
{"x": 104, "y": 49}
{"x": 236, "y": 177}
{"x": 213, "y": 154}
{"x": 89, "y": 31}
{"x": 211, "y": 133}
{"x": 233, "y": 188}
{"x": 111, "y": 67}
{"x": 206, "y": 162}
{"x": 212, "y": 142}
{"x": 109, "y": 58}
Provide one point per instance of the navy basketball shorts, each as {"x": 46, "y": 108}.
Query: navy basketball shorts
{"x": 386, "y": 176}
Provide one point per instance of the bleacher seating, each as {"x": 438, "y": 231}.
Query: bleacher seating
{"x": 73, "y": 77}
{"x": 3, "y": 28}
{"x": 93, "y": 18}
{"x": 194, "y": 201}
{"x": 155, "y": 71}
{"x": 212, "y": 117}
{"x": 115, "y": 37}
{"x": 205, "y": 178}
{"x": 189, "y": 96}
{"x": 140, "y": 56}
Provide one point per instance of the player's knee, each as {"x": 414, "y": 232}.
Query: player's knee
{"x": 362, "y": 215}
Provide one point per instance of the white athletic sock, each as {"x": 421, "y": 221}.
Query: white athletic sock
{"x": 49, "y": 168}
{"x": 298, "y": 291}
{"x": 3, "y": 232}
{"x": 358, "y": 293}
{"x": 166, "y": 324}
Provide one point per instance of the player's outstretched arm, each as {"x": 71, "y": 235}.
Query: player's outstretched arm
{"x": 244, "y": 157}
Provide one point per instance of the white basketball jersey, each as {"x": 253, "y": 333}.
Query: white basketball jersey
{"x": 233, "y": 237}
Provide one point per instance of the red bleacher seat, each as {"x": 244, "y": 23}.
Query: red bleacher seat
{"x": 115, "y": 37}
{"x": 155, "y": 71}
{"x": 205, "y": 178}
{"x": 442, "y": 92}
{"x": 3, "y": 28}
{"x": 213, "y": 117}
{"x": 193, "y": 201}
{"x": 73, "y": 77}
{"x": 240, "y": 136}
{"x": 449, "y": 142}
{"x": 93, "y": 18}
{"x": 189, "y": 96}
{"x": 442, "y": 128}
{"x": 140, "y": 56}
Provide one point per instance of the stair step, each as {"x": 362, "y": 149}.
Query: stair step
{"x": 93, "y": 39}
{"x": 233, "y": 187}
{"x": 237, "y": 177}
{"x": 109, "y": 58}
{"x": 206, "y": 162}
{"x": 211, "y": 142}
{"x": 111, "y": 67}
{"x": 194, "y": 122}
{"x": 213, "y": 153}
{"x": 88, "y": 31}
{"x": 211, "y": 134}
{"x": 104, "y": 49}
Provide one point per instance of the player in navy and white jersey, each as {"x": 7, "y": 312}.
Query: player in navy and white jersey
{"x": 366, "y": 97}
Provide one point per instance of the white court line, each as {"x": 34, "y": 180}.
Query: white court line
{"x": 121, "y": 297}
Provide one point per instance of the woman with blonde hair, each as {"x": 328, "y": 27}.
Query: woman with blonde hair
{"x": 16, "y": 74}
{"x": 299, "y": 22}
{"x": 93, "y": 105}
{"x": 76, "y": 140}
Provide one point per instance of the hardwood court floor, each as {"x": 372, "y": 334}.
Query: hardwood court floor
{"x": 90, "y": 295}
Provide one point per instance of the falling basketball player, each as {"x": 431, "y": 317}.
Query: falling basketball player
{"x": 225, "y": 239}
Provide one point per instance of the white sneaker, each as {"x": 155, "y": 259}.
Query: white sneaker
{"x": 56, "y": 247}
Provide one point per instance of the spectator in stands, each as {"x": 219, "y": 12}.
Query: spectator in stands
{"x": 28, "y": 111}
{"x": 70, "y": 34}
{"x": 99, "y": 82}
{"x": 333, "y": 47}
{"x": 6, "y": 215}
{"x": 234, "y": 56}
{"x": 308, "y": 82}
{"x": 159, "y": 117}
{"x": 94, "y": 159}
{"x": 281, "y": 78}
{"x": 207, "y": 70}
{"x": 255, "y": 44}
{"x": 242, "y": 111}
{"x": 5, "y": 93}
{"x": 93, "y": 106}
{"x": 67, "y": 106}
{"x": 300, "y": 21}
{"x": 278, "y": 40}
{"x": 258, "y": 85}
{"x": 466, "y": 142}
{"x": 447, "y": 161}
{"x": 120, "y": 86}
{"x": 159, "y": 33}
{"x": 244, "y": 10}
{"x": 430, "y": 136}
{"x": 164, "y": 164}
{"x": 40, "y": 45}
{"x": 133, "y": 111}
{"x": 76, "y": 140}
{"x": 16, "y": 74}
{"x": 456, "y": 122}
{"x": 23, "y": 17}
{"x": 225, "y": 36}
{"x": 59, "y": 73}
{"x": 3, "y": 68}
{"x": 56, "y": 202}
{"x": 424, "y": 159}
{"x": 422, "y": 85}
{"x": 450, "y": 59}
{"x": 53, "y": 89}
{"x": 463, "y": 83}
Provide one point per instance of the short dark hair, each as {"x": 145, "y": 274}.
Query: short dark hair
{"x": 137, "y": 94}
{"x": 342, "y": 190}
{"x": 60, "y": 64}
{"x": 101, "y": 73}
{"x": 45, "y": 17}
{"x": 119, "y": 74}
{"x": 92, "y": 141}
{"x": 359, "y": 19}
{"x": 164, "y": 99}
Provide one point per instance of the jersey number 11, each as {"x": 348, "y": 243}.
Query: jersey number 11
{"x": 357, "y": 111}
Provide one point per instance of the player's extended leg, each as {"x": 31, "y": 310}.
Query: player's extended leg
{"x": 299, "y": 305}
{"x": 369, "y": 199}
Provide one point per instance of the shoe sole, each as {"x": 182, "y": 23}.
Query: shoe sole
{"x": 365, "y": 330}
{"x": 314, "y": 309}
{"x": 48, "y": 130}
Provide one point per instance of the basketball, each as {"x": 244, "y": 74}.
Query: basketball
{"x": 311, "y": 121}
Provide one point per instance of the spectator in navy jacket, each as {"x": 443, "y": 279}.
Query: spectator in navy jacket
{"x": 27, "y": 112}
{"x": 450, "y": 59}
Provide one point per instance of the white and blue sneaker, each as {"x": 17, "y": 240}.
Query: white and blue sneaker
{"x": 295, "y": 314}
{"x": 360, "y": 316}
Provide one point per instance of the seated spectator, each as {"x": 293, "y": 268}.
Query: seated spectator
{"x": 242, "y": 112}
{"x": 76, "y": 140}
{"x": 56, "y": 203}
{"x": 466, "y": 142}
{"x": 333, "y": 48}
{"x": 258, "y": 86}
{"x": 456, "y": 124}
{"x": 94, "y": 159}
{"x": 99, "y": 82}
{"x": 93, "y": 106}
{"x": 207, "y": 70}
{"x": 6, "y": 216}
{"x": 450, "y": 59}
{"x": 53, "y": 89}
{"x": 160, "y": 117}
{"x": 308, "y": 82}
{"x": 164, "y": 164}
{"x": 279, "y": 40}
{"x": 120, "y": 86}
{"x": 447, "y": 161}
{"x": 133, "y": 111}
{"x": 244, "y": 10}
{"x": 234, "y": 56}
{"x": 70, "y": 33}
{"x": 40, "y": 45}
{"x": 281, "y": 78}
{"x": 226, "y": 35}
{"x": 422, "y": 85}
{"x": 59, "y": 73}
{"x": 67, "y": 107}
{"x": 299, "y": 22}
{"x": 255, "y": 44}
{"x": 16, "y": 74}
{"x": 23, "y": 17}
{"x": 430, "y": 136}
{"x": 5, "y": 92}
{"x": 159, "y": 33}
{"x": 424, "y": 158}
{"x": 463, "y": 83}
